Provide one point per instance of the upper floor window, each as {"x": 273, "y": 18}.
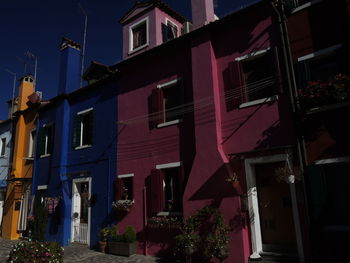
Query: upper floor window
{"x": 31, "y": 143}
{"x": 138, "y": 35}
{"x": 83, "y": 129}
{"x": 254, "y": 77}
{"x": 2, "y": 146}
{"x": 166, "y": 103}
{"x": 321, "y": 65}
{"x": 169, "y": 30}
{"x": 45, "y": 140}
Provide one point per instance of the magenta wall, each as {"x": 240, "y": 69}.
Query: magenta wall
{"x": 207, "y": 135}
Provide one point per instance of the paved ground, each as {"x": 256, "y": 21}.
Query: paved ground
{"x": 76, "y": 253}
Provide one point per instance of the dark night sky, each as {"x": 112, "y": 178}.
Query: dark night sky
{"x": 39, "y": 25}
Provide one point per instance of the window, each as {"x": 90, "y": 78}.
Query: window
{"x": 169, "y": 30}
{"x": 166, "y": 192}
{"x": 322, "y": 65}
{"x": 31, "y": 143}
{"x": 166, "y": 103}
{"x": 83, "y": 129}
{"x": 2, "y": 146}
{"x": 254, "y": 77}
{"x": 45, "y": 143}
{"x": 138, "y": 35}
{"x": 124, "y": 189}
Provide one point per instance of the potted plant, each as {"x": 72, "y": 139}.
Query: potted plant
{"x": 103, "y": 235}
{"x": 232, "y": 179}
{"x": 122, "y": 244}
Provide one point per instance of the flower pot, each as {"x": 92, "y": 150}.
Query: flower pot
{"x": 189, "y": 250}
{"x": 121, "y": 248}
{"x": 103, "y": 245}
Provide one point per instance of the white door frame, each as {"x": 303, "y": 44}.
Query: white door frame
{"x": 74, "y": 182}
{"x": 253, "y": 205}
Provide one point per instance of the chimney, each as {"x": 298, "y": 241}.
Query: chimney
{"x": 69, "y": 79}
{"x": 25, "y": 89}
{"x": 202, "y": 12}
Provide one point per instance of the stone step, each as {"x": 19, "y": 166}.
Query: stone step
{"x": 273, "y": 257}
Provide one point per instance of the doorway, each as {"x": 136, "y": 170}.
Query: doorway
{"x": 81, "y": 211}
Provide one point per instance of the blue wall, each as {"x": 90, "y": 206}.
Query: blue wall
{"x": 5, "y": 132}
{"x": 66, "y": 163}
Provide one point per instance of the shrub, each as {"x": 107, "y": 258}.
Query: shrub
{"x": 130, "y": 234}
{"x": 38, "y": 226}
{"x": 36, "y": 252}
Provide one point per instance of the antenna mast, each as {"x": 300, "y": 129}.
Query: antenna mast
{"x": 84, "y": 42}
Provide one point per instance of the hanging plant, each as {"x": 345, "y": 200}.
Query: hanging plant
{"x": 123, "y": 205}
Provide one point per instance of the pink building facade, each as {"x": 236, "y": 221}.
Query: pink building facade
{"x": 197, "y": 107}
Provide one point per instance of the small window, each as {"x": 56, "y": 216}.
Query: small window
{"x": 169, "y": 30}
{"x": 166, "y": 103}
{"x": 83, "y": 129}
{"x": 2, "y": 146}
{"x": 254, "y": 77}
{"x": 45, "y": 146}
{"x": 124, "y": 187}
{"x": 139, "y": 35}
{"x": 31, "y": 144}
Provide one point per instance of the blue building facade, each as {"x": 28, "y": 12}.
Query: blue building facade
{"x": 75, "y": 162}
{"x": 5, "y": 155}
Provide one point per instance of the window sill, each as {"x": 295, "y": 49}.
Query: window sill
{"x": 169, "y": 214}
{"x": 2, "y": 156}
{"x": 306, "y": 5}
{"x": 138, "y": 49}
{"x": 28, "y": 158}
{"x": 82, "y": 147}
{"x": 45, "y": 155}
{"x": 168, "y": 123}
{"x": 258, "y": 102}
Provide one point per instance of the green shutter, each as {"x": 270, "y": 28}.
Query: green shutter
{"x": 51, "y": 134}
{"x": 76, "y": 131}
{"x": 91, "y": 126}
{"x": 41, "y": 142}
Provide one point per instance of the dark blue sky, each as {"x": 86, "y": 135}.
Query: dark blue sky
{"x": 39, "y": 25}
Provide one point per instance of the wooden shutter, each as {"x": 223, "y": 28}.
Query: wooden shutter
{"x": 237, "y": 94}
{"x": 118, "y": 188}
{"x": 303, "y": 70}
{"x": 164, "y": 33}
{"x": 50, "y": 130}
{"x": 76, "y": 131}
{"x": 90, "y": 126}
{"x": 41, "y": 141}
{"x": 157, "y": 108}
{"x": 157, "y": 194}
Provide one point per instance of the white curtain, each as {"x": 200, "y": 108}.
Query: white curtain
{"x": 23, "y": 213}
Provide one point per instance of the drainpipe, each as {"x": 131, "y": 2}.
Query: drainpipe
{"x": 278, "y": 7}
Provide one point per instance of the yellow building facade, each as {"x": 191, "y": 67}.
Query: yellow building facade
{"x": 20, "y": 178}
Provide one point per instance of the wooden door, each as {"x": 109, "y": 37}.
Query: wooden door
{"x": 275, "y": 209}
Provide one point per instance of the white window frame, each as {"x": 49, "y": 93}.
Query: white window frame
{"x": 31, "y": 143}
{"x": 173, "y": 24}
{"x": 82, "y": 146}
{"x": 166, "y": 85}
{"x": 262, "y": 100}
{"x": 320, "y": 52}
{"x": 305, "y": 5}
{"x": 163, "y": 167}
{"x": 2, "y": 146}
{"x": 131, "y": 42}
{"x": 46, "y": 154}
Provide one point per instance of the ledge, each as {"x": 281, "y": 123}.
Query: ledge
{"x": 306, "y": 5}
{"x": 168, "y": 123}
{"x": 82, "y": 147}
{"x": 169, "y": 214}
{"x": 45, "y": 155}
{"x": 138, "y": 49}
{"x": 260, "y": 101}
